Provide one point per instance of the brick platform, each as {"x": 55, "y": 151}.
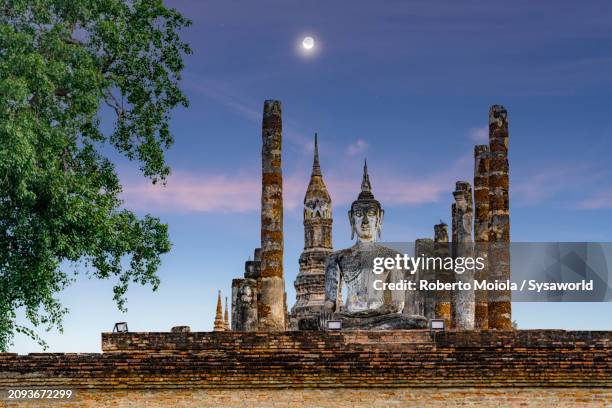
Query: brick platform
{"x": 183, "y": 363}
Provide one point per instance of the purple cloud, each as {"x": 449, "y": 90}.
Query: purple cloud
{"x": 188, "y": 192}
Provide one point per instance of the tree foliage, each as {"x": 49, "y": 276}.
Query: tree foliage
{"x": 61, "y": 62}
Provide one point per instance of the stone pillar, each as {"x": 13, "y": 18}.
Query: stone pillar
{"x": 481, "y": 230}
{"x": 244, "y": 296}
{"x": 270, "y": 283}
{"x": 453, "y": 253}
{"x": 442, "y": 251}
{"x": 453, "y": 228}
{"x": 499, "y": 307}
{"x": 218, "y": 325}
{"x": 236, "y": 304}
{"x": 244, "y": 305}
{"x": 464, "y": 299}
{"x": 425, "y": 302}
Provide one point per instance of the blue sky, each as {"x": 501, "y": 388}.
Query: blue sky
{"x": 408, "y": 85}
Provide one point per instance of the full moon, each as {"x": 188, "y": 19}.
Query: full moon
{"x": 308, "y": 43}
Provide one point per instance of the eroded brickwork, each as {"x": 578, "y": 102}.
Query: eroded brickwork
{"x": 463, "y": 300}
{"x": 442, "y": 250}
{"x": 482, "y": 217}
{"x": 310, "y": 280}
{"x": 499, "y": 305}
{"x": 193, "y": 368}
{"x": 425, "y": 302}
{"x": 409, "y": 358}
{"x": 271, "y": 307}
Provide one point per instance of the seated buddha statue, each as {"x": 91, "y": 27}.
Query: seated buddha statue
{"x": 351, "y": 270}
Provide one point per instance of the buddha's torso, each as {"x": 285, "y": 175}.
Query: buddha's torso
{"x": 355, "y": 267}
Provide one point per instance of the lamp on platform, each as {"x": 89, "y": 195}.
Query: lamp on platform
{"x": 436, "y": 325}
{"x": 334, "y": 325}
{"x": 120, "y": 327}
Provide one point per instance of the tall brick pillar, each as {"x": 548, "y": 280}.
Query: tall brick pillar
{"x": 441, "y": 250}
{"x": 482, "y": 217}
{"x": 270, "y": 283}
{"x": 500, "y": 307}
{"x": 453, "y": 253}
{"x": 425, "y": 246}
{"x": 463, "y": 300}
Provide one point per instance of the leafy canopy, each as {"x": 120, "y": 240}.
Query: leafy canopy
{"x": 61, "y": 61}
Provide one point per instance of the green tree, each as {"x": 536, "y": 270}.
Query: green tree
{"x": 61, "y": 62}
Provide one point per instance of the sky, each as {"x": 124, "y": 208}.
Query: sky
{"x": 405, "y": 84}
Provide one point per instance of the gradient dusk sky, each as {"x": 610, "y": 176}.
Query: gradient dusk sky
{"x": 408, "y": 85}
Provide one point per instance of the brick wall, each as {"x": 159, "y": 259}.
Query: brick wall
{"x": 356, "y": 365}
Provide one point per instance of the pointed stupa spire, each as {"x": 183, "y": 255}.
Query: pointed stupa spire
{"x": 316, "y": 191}
{"x": 366, "y": 186}
{"x": 218, "y": 326}
{"x": 226, "y": 317}
{"x": 316, "y": 168}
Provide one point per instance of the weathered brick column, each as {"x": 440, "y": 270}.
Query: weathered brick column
{"x": 500, "y": 307}
{"x": 481, "y": 229}
{"x": 442, "y": 250}
{"x": 425, "y": 302}
{"x": 270, "y": 283}
{"x": 453, "y": 253}
{"x": 463, "y": 300}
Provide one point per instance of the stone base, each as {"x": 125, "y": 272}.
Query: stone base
{"x": 308, "y": 323}
{"x": 238, "y": 369}
{"x": 393, "y": 321}
{"x": 366, "y": 321}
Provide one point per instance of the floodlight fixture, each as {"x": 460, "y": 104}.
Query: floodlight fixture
{"x": 120, "y": 327}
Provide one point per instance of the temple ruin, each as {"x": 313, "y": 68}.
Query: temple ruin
{"x": 258, "y": 300}
{"x": 219, "y": 324}
{"x": 310, "y": 281}
{"x": 499, "y": 306}
{"x": 480, "y": 228}
{"x": 463, "y": 300}
{"x": 442, "y": 250}
{"x": 384, "y": 355}
{"x": 482, "y": 217}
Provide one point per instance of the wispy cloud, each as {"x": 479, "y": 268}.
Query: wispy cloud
{"x": 192, "y": 193}
{"x": 189, "y": 192}
{"x": 534, "y": 188}
{"x": 240, "y": 193}
{"x": 599, "y": 201}
{"x": 186, "y": 192}
{"x": 554, "y": 185}
{"x": 479, "y": 134}
{"x": 357, "y": 148}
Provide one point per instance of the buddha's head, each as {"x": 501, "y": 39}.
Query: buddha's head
{"x": 366, "y": 213}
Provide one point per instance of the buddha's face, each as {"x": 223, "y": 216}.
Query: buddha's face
{"x": 365, "y": 221}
